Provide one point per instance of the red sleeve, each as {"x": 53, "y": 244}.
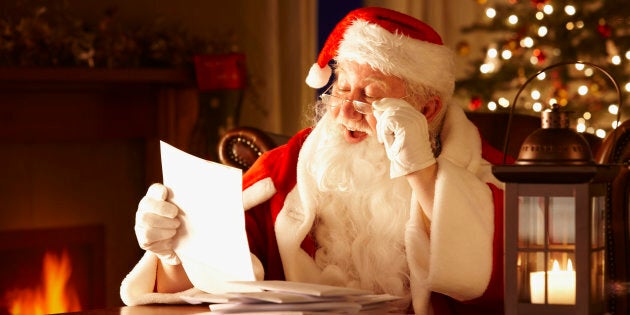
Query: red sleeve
{"x": 279, "y": 164}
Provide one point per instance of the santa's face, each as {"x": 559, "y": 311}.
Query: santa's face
{"x": 360, "y": 82}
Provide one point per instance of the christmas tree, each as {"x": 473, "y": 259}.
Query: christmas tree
{"x": 524, "y": 37}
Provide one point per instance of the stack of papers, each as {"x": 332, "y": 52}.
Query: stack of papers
{"x": 287, "y": 297}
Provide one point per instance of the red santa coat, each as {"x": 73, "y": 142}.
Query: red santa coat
{"x": 455, "y": 268}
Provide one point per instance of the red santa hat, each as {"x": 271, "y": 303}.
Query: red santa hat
{"x": 392, "y": 42}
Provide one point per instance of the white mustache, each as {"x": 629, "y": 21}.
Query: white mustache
{"x": 354, "y": 125}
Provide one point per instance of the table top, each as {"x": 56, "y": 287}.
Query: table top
{"x": 150, "y": 310}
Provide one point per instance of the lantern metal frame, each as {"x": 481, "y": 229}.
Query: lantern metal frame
{"x": 583, "y": 183}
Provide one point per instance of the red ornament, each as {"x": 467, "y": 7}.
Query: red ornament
{"x": 538, "y": 3}
{"x": 540, "y": 55}
{"x": 475, "y": 103}
{"x": 604, "y": 29}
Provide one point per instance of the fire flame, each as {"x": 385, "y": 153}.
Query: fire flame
{"x": 54, "y": 295}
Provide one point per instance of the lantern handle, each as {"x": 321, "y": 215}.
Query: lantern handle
{"x": 506, "y": 140}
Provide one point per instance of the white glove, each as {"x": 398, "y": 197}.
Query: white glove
{"x": 405, "y": 133}
{"x": 156, "y": 224}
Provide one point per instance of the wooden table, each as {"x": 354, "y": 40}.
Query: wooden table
{"x": 150, "y": 310}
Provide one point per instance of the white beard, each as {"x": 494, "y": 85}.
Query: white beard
{"x": 361, "y": 213}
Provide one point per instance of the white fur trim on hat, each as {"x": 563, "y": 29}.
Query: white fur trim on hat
{"x": 402, "y": 56}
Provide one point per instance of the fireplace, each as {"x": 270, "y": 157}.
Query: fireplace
{"x": 52, "y": 266}
{"x": 78, "y": 149}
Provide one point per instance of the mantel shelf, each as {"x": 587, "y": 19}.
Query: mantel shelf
{"x": 171, "y": 76}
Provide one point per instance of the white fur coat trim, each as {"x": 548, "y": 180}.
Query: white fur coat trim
{"x": 258, "y": 193}
{"x": 137, "y": 287}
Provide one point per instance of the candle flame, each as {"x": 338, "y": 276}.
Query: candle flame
{"x": 556, "y": 265}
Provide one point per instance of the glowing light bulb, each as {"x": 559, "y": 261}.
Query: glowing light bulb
{"x": 579, "y": 66}
{"x": 582, "y": 90}
{"x": 492, "y": 106}
{"x": 542, "y": 31}
{"x": 613, "y": 109}
{"x": 600, "y": 133}
{"x": 528, "y": 42}
{"x": 615, "y": 60}
{"x": 491, "y": 13}
{"x": 548, "y": 9}
{"x": 506, "y": 54}
{"x": 492, "y": 53}
{"x": 537, "y": 107}
{"x": 588, "y": 72}
{"x": 539, "y": 16}
{"x": 541, "y": 76}
{"x": 504, "y": 102}
{"x": 512, "y": 19}
{"x": 486, "y": 68}
{"x": 535, "y": 94}
{"x": 569, "y": 10}
{"x": 587, "y": 115}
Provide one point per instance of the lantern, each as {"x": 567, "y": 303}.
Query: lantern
{"x": 554, "y": 221}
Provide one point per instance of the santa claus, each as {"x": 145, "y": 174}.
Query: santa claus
{"x": 390, "y": 191}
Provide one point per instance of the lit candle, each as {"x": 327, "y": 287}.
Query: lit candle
{"x": 560, "y": 283}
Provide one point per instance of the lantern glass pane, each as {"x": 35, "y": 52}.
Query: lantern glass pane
{"x": 597, "y": 277}
{"x": 598, "y": 210}
{"x": 561, "y": 222}
{"x": 598, "y": 249}
{"x": 530, "y": 289}
{"x": 531, "y": 221}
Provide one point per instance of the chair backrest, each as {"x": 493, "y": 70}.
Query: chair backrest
{"x": 241, "y": 146}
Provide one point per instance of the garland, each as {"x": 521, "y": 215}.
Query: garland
{"x": 47, "y": 35}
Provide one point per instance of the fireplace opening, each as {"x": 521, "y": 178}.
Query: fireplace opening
{"x": 52, "y": 270}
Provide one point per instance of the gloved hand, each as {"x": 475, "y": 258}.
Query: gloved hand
{"x": 405, "y": 133}
{"x": 156, "y": 224}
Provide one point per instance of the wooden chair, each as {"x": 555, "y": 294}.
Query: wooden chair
{"x": 241, "y": 146}
{"x": 615, "y": 149}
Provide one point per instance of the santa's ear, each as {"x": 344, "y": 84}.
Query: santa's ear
{"x": 432, "y": 107}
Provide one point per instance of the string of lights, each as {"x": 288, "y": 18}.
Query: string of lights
{"x": 527, "y": 36}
